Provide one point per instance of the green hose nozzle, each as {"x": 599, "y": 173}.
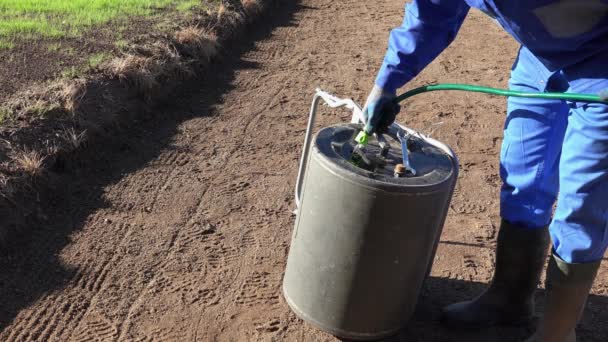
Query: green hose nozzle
{"x": 362, "y": 138}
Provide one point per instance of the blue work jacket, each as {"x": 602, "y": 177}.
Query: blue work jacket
{"x": 558, "y": 33}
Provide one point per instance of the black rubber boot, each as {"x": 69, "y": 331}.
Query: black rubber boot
{"x": 568, "y": 287}
{"x": 520, "y": 256}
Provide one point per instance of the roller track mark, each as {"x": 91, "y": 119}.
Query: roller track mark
{"x": 256, "y": 116}
{"x": 248, "y": 240}
{"x": 101, "y": 278}
{"x": 91, "y": 279}
{"x": 219, "y": 255}
{"x": 94, "y": 328}
{"x": 65, "y": 309}
{"x": 198, "y": 232}
{"x": 175, "y": 241}
{"x": 163, "y": 171}
{"x": 165, "y": 284}
{"x": 469, "y": 262}
{"x": 206, "y": 297}
{"x": 150, "y": 185}
{"x": 462, "y": 207}
{"x": 75, "y": 311}
{"x": 222, "y": 161}
{"x": 143, "y": 339}
{"x": 467, "y": 166}
{"x": 258, "y": 289}
{"x": 230, "y": 254}
{"x": 79, "y": 279}
{"x": 493, "y": 180}
{"x": 213, "y": 255}
{"x": 83, "y": 280}
{"x": 457, "y": 191}
{"x": 175, "y": 156}
{"x": 188, "y": 291}
{"x": 40, "y": 322}
{"x": 41, "y": 327}
{"x": 272, "y": 326}
{"x": 487, "y": 233}
{"x": 135, "y": 304}
{"x": 213, "y": 259}
{"x": 476, "y": 126}
{"x": 92, "y": 276}
{"x": 95, "y": 284}
{"x": 22, "y": 326}
{"x": 164, "y": 335}
{"x": 234, "y": 188}
{"x": 179, "y": 159}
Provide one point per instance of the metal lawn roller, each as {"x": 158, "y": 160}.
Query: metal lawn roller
{"x": 368, "y": 223}
{"x": 370, "y": 211}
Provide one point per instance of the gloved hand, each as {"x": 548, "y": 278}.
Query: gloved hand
{"x": 380, "y": 110}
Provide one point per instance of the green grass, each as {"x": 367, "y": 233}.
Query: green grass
{"x": 29, "y": 19}
{"x": 188, "y": 5}
{"x": 92, "y": 62}
{"x": 5, "y": 44}
{"x": 96, "y": 59}
{"x": 4, "y": 114}
{"x": 121, "y": 44}
{"x": 72, "y": 72}
{"x": 53, "y": 47}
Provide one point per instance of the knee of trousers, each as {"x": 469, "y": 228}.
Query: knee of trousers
{"x": 529, "y": 160}
{"x": 529, "y": 189}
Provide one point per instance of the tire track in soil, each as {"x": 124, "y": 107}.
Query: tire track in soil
{"x": 137, "y": 302}
{"x": 199, "y": 235}
{"x": 95, "y": 328}
{"x": 47, "y": 318}
{"x": 48, "y": 321}
{"x": 218, "y": 253}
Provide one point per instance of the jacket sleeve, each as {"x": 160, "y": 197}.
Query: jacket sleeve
{"x": 428, "y": 28}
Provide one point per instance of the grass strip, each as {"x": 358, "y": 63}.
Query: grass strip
{"x": 33, "y": 19}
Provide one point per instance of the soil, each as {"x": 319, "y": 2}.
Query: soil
{"x": 178, "y": 229}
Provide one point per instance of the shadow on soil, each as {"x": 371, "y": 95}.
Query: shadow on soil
{"x": 425, "y": 325}
{"x": 30, "y": 268}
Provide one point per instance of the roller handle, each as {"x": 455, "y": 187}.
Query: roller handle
{"x": 333, "y": 102}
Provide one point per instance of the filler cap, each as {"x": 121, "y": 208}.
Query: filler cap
{"x": 431, "y": 164}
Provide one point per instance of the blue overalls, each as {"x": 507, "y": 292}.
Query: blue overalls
{"x": 551, "y": 149}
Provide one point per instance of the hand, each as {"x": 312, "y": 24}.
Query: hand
{"x": 604, "y": 95}
{"x": 380, "y": 110}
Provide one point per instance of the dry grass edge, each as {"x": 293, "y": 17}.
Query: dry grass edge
{"x": 149, "y": 69}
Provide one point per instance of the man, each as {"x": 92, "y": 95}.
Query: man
{"x": 551, "y": 150}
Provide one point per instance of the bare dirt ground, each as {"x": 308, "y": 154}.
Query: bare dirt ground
{"x": 178, "y": 230}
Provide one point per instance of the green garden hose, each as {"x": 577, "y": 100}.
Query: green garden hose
{"x": 601, "y": 98}
{"x": 502, "y": 92}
